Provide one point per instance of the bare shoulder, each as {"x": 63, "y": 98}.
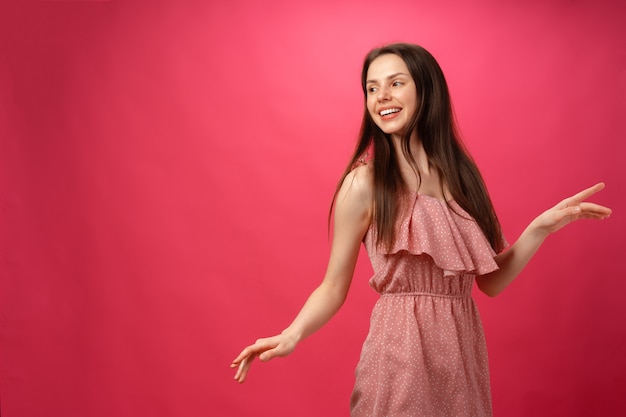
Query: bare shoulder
{"x": 359, "y": 183}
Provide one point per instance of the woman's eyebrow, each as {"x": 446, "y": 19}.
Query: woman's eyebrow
{"x": 389, "y": 77}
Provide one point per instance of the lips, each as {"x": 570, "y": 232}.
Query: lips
{"x": 388, "y": 111}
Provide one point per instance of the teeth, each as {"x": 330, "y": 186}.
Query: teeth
{"x": 388, "y": 111}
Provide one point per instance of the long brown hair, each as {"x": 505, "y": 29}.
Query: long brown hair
{"x": 436, "y": 128}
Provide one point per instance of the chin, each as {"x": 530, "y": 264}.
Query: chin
{"x": 388, "y": 130}
{"x": 393, "y": 132}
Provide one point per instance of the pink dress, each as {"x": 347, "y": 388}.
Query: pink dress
{"x": 425, "y": 354}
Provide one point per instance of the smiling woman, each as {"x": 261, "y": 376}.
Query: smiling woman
{"x": 166, "y": 169}
{"x": 391, "y": 94}
{"x": 421, "y": 209}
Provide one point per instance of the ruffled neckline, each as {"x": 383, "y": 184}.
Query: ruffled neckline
{"x": 441, "y": 230}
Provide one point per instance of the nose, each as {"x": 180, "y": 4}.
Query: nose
{"x": 383, "y": 94}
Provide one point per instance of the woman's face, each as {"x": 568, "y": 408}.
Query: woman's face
{"x": 391, "y": 94}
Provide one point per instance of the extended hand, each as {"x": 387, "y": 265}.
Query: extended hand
{"x": 572, "y": 209}
{"x": 265, "y": 349}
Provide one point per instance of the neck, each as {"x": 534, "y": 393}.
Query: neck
{"x": 420, "y": 176}
{"x": 417, "y": 151}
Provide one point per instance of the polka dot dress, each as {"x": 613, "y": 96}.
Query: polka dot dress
{"x": 425, "y": 354}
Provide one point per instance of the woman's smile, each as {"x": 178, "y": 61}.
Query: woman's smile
{"x": 391, "y": 94}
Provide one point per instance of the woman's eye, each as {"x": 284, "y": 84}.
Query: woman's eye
{"x": 397, "y": 83}
{"x": 372, "y": 89}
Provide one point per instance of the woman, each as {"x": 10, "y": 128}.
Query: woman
{"x": 422, "y": 211}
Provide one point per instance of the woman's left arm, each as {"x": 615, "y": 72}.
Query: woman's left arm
{"x": 512, "y": 261}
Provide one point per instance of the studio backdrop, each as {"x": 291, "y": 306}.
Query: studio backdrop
{"x": 166, "y": 171}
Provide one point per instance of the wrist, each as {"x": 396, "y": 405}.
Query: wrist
{"x": 537, "y": 231}
{"x": 292, "y": 334}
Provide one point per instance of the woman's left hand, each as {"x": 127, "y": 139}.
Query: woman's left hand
{"x": 572, "y": 209}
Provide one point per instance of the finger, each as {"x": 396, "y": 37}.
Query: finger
{"x": 583, "y": 210}
{"x": 239, "y": 370}
{"x": 244, "y": 368}
{"x": 244, "y": 354}
{"x": 258, "y": 347}
{"x": 594, "y": 215}
{"x": 584, "y": 194}
{"x": 588, "y": 207}
{"x": 268, "y": 354}
{"x": 242, "y": 372}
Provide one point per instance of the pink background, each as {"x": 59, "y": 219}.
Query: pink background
{"x": 166, "y": 169}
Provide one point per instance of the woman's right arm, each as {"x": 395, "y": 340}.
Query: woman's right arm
{"x": 352, "y": 216}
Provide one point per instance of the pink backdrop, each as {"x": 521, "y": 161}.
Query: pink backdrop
{"x": 166, "y": 169}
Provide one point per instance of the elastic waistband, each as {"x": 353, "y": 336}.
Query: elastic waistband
{"x": 424, "y": 294}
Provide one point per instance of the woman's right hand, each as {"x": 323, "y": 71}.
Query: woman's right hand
{"x": 352, "y": 218}
{"x": 266, "y": 349}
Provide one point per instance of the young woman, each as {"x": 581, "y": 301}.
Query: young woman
{"x": 422, "y": 211}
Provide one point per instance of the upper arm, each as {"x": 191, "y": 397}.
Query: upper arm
{"x": 352, "y": 217}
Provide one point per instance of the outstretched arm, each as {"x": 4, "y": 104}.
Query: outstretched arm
{"x": 512, "y": 261}
{"x": 351, "y": 220}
